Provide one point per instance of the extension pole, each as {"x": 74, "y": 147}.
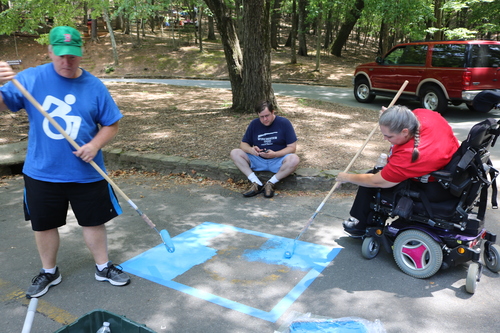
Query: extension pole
{"x": 288, "y": 254}
{"x": 37, "y": 105}
{"x": 30, "y": 316}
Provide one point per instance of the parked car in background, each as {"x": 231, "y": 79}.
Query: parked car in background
{"x": 439, "y": 72}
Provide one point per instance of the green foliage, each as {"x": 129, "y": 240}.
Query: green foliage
{"x": 137, "y": 9}
{"x": 43, "y": 39}
{"x": 29, "y": 16}
{"x": 460, "y": 33}
{"x": 484, "y": 16}
{"x": 407, "y": 19}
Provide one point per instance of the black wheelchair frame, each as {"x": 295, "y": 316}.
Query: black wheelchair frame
{"x": 424, "y": 236}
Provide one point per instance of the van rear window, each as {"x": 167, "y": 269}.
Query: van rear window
{"x": 448, "y": 55}
{"x": 485, "y": 55}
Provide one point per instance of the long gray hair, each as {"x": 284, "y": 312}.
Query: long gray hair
{"x": 396, "y": 119}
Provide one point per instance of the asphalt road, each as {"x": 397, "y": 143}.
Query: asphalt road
{"x": 235, "y": 290}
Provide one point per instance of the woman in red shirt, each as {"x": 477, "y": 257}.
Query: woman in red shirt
{"x": 422, "y": 142}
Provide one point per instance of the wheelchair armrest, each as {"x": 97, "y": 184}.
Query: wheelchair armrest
{"x": 444, "y": 175}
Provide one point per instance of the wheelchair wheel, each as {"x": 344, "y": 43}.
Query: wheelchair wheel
{"x": 491, "y": 257}
{"x": 370, "y": 247}
{"x": 472, "y": 278}
{"x": 417, "y": 254}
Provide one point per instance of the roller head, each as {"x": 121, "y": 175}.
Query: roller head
{"x": 169, "y": 244}
{"x": 291, "y": 250}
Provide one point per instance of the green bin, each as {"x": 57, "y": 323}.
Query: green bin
{"x": 93, "y": 320}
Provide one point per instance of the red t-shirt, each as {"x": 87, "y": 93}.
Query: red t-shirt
{"x": 437, "y": 146}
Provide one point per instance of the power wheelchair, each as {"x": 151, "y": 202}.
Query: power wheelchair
{"x": 427, "y": 236}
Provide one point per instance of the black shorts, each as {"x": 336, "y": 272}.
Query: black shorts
{"x": 46, "y": 204}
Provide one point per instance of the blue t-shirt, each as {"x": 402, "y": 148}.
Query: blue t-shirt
{"x": 275, "y": 137}
{"x": 79, "y": 105}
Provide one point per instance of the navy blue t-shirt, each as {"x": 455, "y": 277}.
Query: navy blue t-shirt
{"x": 275, "y": 137}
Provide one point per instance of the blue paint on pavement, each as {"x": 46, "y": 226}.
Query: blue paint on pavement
{"x": 309, "y": 256}
{"x": 192, "y": 248}
{"x": 328, "y": 326}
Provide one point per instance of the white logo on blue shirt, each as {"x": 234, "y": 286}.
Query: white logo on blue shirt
{"x": 61, "y": 111}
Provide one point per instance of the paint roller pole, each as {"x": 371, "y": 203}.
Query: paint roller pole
{"x": 30, "y": 316}
{"x": 164, "y": 233}
{"x": 288, "y": 254}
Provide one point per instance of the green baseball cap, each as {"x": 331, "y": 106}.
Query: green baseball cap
{"x": 65, "y": 41}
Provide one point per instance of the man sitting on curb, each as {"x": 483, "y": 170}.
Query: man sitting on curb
{"x": 269, "y": 144}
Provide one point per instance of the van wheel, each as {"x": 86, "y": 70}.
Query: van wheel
{"x": 433, "y": 98}
{"x": 362, "y": 91}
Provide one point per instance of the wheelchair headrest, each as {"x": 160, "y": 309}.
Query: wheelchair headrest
{"x": 482, "y": 135}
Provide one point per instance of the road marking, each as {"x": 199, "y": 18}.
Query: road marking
{"x": 193, "y": 250}
{"x": 9, "y": 292}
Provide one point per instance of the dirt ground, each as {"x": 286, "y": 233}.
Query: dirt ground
{"x": 196, "y": 122}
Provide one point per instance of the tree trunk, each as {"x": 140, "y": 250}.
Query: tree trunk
{"x": 230, "y": 42}
{"x": 93, "y": 31}
{"x": 84, "y": 17}
{"x": 257, "y": 86}
{"x": 199, "y": 28}
{"x": 328, "y": 30}
{"x": 275, "y": 23}
{"x": 119, "y": 22}
{"x": 318, "y": 39}
{"x": 211, "y": 30}
{"x": 383, "y": 44}
{"x": 301, "y": 29}
{"x": 438, "y": 24}
{"x": 351, "y": 18}
{"x": 126, "y": 25}
{"x": 111, "y": 36}
{"x": 138, "y": 31}
{"x": 293, "y": 33}
{"x": 249, "y": 73}
{"x": 238, "y": 15}
{"x": 288, "y": 42}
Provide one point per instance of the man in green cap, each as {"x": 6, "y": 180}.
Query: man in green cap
{"x": 55, "y": 174}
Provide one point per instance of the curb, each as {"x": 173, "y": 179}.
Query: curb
{"x": 304, "y": 179}
{"x": 11, "y": 157}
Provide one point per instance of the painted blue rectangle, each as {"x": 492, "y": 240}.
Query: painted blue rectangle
{"x": 192, "y": 249}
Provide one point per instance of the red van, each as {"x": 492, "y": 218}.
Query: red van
{"x": 439, "y": 72}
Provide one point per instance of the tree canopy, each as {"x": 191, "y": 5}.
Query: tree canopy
{"x": 249, "y": 29}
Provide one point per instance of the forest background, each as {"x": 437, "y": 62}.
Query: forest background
{"x": 249, "y": 30}
{"x": 252, "y": 43}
